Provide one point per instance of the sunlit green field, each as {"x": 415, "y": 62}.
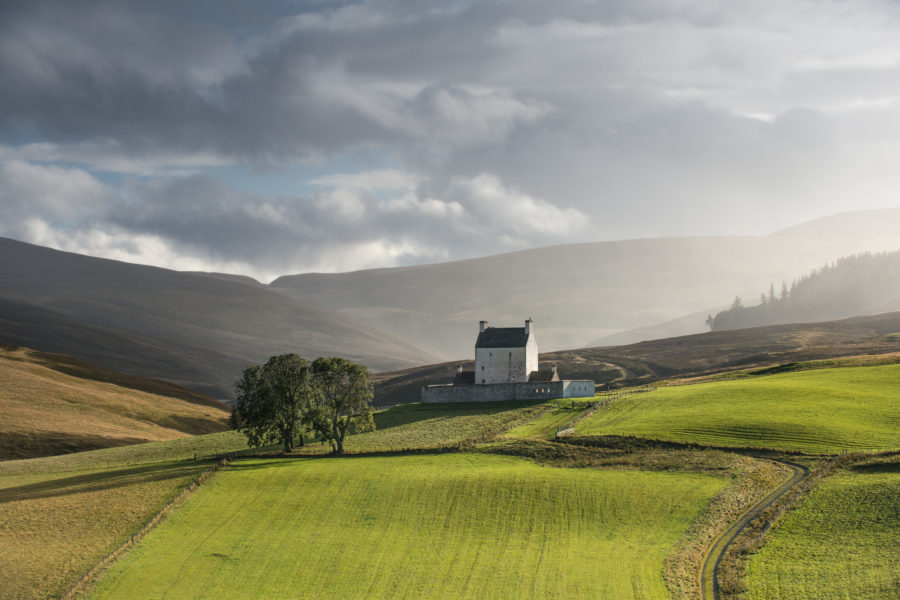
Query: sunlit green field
{"x": 460, "y": 525}
{"x": 843, "y": 541}
{"x": 547, "y": 424}
{"x": 818, "y": 411}
{"x": 417, "y": 426}
{"x": 60, "y": 514}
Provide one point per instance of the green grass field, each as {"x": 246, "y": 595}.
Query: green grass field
{"x": 824, "y": 410}
{"x": 59, "y": 515}
{"x": 547, "y": 424}
{"x": 460, "y": 525}
{"x": 843, "y": 541}
{"x": 419, "y": 426}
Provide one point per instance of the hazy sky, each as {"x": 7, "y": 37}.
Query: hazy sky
{"x": 280, "y": 137}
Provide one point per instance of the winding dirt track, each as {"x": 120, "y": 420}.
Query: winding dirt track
{"x": 710, "y": 571}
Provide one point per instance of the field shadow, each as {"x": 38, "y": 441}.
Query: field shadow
{"x": 93, "y": 482}
{"x": 876, "y": 468}
{"x": 15, "y": 445}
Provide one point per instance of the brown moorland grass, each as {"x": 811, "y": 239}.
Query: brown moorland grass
{"x": 53, "y": 404}
{"x": 59, "y": 515}
{"x": 54, "y": 527}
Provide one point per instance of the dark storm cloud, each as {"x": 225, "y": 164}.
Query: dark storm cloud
{"x": 506, "y": 125}
{"x": 151, "y": 82}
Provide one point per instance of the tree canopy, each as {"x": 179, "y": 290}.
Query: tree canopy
{"x": 344, "y": 395}
{"x": 271, "y": 400}
{"x": 278, "y": 400}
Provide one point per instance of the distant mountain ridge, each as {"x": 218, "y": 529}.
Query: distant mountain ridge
{"x": 195, "y": 329}
{"x": 201, "y": 329}
{"x": 584, "y": 293}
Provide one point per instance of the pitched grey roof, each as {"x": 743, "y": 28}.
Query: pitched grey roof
{"x": 502, "y": 337}
{"x": 542, "y": 376}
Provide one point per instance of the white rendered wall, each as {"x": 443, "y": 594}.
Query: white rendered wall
{"x": 501, "y": 365}
{"x": 531, "y": 355}
{"x": 577, "y": 388}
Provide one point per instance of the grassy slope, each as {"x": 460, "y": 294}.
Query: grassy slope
{"x": 546, "y": 425}
{"x": 414, "y": 426}
{"x": 52, "y": 404}
{"x": 440, "y": 526}
{"x": 843, "y": 541}
{"x": 60, "y": 514}
{"x": 820, "y": 411}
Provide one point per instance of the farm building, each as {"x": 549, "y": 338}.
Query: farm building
{"x": 506, "y": 368}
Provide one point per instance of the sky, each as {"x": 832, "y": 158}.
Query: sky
{"x": 276, "y": 137}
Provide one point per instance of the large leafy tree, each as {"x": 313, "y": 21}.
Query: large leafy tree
{"x": 271, "y": 400}
{"x": 343, "y": 398}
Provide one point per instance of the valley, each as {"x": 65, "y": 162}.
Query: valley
{"x": 468, "y": 476}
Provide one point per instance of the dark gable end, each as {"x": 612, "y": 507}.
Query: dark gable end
{"x": 464, "y": 378}
{"x": 502, "y": 337}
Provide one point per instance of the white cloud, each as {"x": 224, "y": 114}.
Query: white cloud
{"x": 63, "y": 194}
{"x": 146, "y": 249}
{"x": 508, "y": 124}
{"x": 512, "y": 214}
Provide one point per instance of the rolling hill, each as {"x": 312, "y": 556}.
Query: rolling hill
{"x": 54, "y": 404}
{"x": 581, "y": 293}
{"x": 199, "y": 330}
{"x": 685, "y": 356}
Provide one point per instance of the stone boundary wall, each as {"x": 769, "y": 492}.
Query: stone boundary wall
{"x": 498, "y": 392}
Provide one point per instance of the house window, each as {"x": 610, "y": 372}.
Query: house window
{"x": 482, "y": 367}
{"x": 482, "y": 381}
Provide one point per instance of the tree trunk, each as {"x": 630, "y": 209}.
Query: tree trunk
{"x": 337, "y": 440}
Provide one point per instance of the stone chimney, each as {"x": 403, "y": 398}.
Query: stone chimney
{"x": 481, "y": 326}
{"x": 528, "y": 325}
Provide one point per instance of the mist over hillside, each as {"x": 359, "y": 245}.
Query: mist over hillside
{"x": 201, "y": 329}
{"x": 581, "y": 294}
{"x": 851, "y": 286}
